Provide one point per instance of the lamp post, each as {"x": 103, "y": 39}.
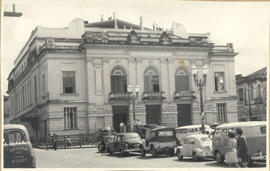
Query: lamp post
{"x": 200, "y": 74}
{"x": 133, "y": 98}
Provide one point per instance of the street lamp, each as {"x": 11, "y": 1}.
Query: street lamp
{"x": 199, "y": 74}
{"x": 133, "y": 98}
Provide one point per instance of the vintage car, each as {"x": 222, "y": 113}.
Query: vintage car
{"x": 255, "y": 133}
{"x": 182, "y": 132}
{"x": 125, "y": 143}
{"x": 101, "y": 133}
{"x": 107, "y": 139}
{"x": 198, "y": 146}
{"x": 160, "y": 140}
{"x": 18, "y": 151}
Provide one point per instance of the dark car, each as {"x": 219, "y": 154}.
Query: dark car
{"x": 160, "y": 140}
{"x": 125, "y": 143}
{"x": 18, "y": 151}
{"x": 101, "y": 134}
{"x": 107, "y": 139}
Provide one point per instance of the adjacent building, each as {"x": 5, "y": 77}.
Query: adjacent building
{"x": 84, "y": 77}
{"x": 252, "y": 96}
{"x": 6, "y": 109}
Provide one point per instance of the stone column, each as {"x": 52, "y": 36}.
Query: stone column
{"x": 171, "y": 79}
{"x": 140, "y": 77}
{"x": 107, "y": 79}
{"x": 90, "y": 80}
{"x": 98, "y": 81}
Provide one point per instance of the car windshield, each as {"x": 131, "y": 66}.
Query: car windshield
{"x": 132, "y": 137}
{"x": 14, "y": 136}
{"x": 182, "y": 131}
{"x": 165, "y": 133}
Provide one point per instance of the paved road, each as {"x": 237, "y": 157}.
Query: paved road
{"x": 90, "y": 158}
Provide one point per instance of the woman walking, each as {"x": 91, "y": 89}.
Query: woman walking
{"x": 231, "y": 155}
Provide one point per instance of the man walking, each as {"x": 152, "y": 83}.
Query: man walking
{"x": 54, "y": 142}
{"x": 242, "y": 148}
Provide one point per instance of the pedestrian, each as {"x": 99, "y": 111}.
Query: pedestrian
{"x": 102, "y": 147}
{"x": 54, "y": 142}
{"x": 69, "y": 143}
{"x": 242, "y": 148}
{"x": 48, "y": 142}
{"x": 122, "y": 127}
{"x": 231, "y": 155}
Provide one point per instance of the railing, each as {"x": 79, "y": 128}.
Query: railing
{"x": 183, "y": 94}
{"x": 154, "y": 95}
{"x": 77, "y": 141}
{"x": 116, "y": 96}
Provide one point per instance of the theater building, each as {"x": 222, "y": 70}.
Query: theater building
{"x": 252, "y": 96}
{"x": 86, "y": 76}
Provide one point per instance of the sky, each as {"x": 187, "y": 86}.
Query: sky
{"x": 246, "y": 25}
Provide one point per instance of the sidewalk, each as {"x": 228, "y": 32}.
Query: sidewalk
{"x": 75, "y": 146}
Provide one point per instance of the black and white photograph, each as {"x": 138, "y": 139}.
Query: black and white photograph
{"x": 134, "y": 84}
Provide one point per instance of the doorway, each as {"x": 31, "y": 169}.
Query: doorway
{"x": 184, "y": 114}
{"x": 120, "y": 114}
{"x": 153, "y": 114}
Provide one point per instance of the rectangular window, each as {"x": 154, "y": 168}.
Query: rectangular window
{"x": 69, "y": 82}
{"x": 221, "y": 112}
{"x": 219, "y": 81}
{"x": 70, "y": 117}
{"x": 241, "y": 94}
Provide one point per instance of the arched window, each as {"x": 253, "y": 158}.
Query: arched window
{"x": 181, "y": 80}
{"x": 151, "y": 80}
{"x": 118, "y": 81}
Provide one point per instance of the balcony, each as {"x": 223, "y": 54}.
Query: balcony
{"x": 119, "y": 96}
{"x": 184, "y": 95}
{"x": 153, "y": 95}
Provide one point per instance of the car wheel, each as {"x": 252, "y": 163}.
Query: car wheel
{"x": 153, "y": 152}
{"x": 171, "y": 152}
{"x": 177, "y": 152}
{"x": 122, "y": 152}
{"x": 218, "y": 157}
{"x": 142, "y": 151}
{"x": 99, "y": 149}
{"x": 179, "y": 156}
{"x": 109, "y": 151}
{"x": 195, "y": 157}
{"x": 250, "y": 162}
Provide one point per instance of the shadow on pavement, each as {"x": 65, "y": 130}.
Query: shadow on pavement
{"x": 191, "y": 160}
{"x": 150, "y": 157}
{"x": 118, "y": 155}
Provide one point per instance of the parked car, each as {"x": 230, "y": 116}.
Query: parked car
{"x": 101, "y": 134}
{"x": 18, "y": 151}
{"x": 198, "y": 146}
{"x": 182, "y": 132}
{"x": 125, "y": 143}
{"x": 255, "y": 133}
{"x": 107, "y": 139}
{"x": 159, "y": 141}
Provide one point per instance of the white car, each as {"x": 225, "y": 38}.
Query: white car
{"x": 197, "y": 146}
{"x": 184, "y": 131}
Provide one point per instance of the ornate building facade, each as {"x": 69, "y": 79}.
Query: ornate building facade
{"x": 85, "y": 77}
{"x": 252, "y": 96}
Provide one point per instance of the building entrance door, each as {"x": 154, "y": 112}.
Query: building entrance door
{"x": 184, "y": 114}
{"x": 153, "y": 114}
{"x": 120, "y": 114}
